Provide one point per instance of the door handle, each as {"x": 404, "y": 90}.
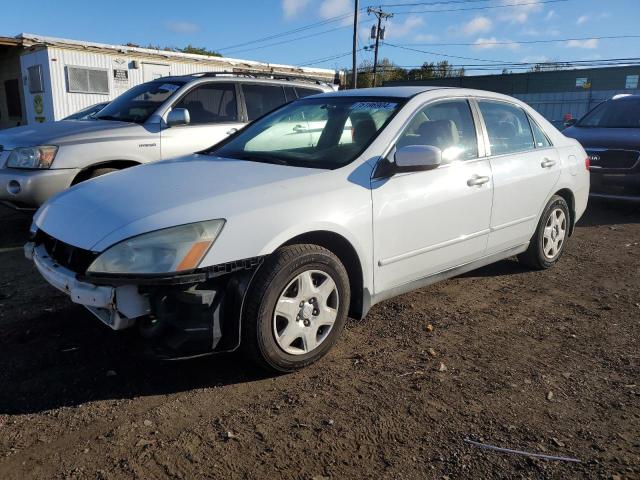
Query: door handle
{"x": 299, "y": 129}
{"x": 232, "y": 131}
{"x": 547, "y": 163}
{"x": 477, "y": 180}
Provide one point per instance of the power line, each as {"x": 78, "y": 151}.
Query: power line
{"x": 427, "y": 4}
{"x": 327, "y": 21}
{"x": 486, "y": 7}
{"x": 515, "y": 42}
{"x": 562, "y": 64}
{"x": 327, "y": 59}
{"x": 439, "y": 54}
{"x": 289, "y": 40}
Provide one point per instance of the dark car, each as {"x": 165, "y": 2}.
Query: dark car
{"x": 610, "y": 133}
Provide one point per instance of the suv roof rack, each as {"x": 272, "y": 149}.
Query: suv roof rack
{"x": 248, "y": 73}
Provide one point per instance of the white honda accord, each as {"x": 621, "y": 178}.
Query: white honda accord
{"x": 316, "y": 211}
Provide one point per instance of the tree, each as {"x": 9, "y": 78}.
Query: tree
{"x": 198, "y": 51}
{"x": 546, "y": 67}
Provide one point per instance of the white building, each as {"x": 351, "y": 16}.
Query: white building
{"x": 45, "y": 78}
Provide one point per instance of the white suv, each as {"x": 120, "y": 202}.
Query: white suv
{"x": 158, "y": 120}
{"x": 316, "y": 211}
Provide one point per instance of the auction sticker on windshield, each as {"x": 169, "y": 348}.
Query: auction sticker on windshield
{"x": 374, "y": 106}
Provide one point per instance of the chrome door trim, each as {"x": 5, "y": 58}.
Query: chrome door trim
{"x": 448, "y": 273}
{"x": 512, "y": 223}
{"x": 403, "y": 256}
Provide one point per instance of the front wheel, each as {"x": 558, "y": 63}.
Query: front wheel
{"x": 548, "y": 243}
{"x": 296, "y": 307}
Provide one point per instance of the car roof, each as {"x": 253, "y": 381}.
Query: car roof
{"x": 400, "y": 92}
{"x": 303, "y": 83}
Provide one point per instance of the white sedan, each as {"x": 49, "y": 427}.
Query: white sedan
{"x": 316, "y": 211}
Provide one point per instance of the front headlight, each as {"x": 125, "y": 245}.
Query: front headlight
{"x": 32, "y": 157}
{"x": 170, "y": 250}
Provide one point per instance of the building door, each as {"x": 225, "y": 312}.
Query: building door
{"x": 153, "y": 71}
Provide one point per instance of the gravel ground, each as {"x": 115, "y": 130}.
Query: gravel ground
{"x": 546, "y": 362}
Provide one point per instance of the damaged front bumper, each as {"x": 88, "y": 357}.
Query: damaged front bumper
{"x": 178, "y": 318}
{"x": 117, "y": 307}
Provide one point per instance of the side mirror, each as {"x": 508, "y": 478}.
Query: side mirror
{"x": 411, "y": 158}
{"x": 571, "y": 122}
{"x": 178, "y": 116}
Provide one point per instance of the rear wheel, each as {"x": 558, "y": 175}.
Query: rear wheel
{"x": 296, "y": 307}
{"x": 547, "y": 244}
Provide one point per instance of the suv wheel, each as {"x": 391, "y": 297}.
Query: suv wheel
{"x": 296, "y": 307}
{"x": 547, "y": 244}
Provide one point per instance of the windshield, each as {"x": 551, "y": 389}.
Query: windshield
{"x": 623, "y": 113}
{"x": 318, "y": 132}
{"x": 137, "y": 105}
{"x": 86, "y": 113}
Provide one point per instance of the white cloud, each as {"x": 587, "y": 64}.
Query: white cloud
{"x": 582, "y": 19}
{"x": 589, "y": 44}
{"x": 291, "y": 8}
{"x": 182, "y": 27}
{"x": 550, "y": 14}
{"x": 394, "y": 30}
{"x": 520, "y": 10}
{"x": 425, "y": 37}
{"x": 333, "y": 8}
{"x": 477, "y": 25}
{"x": 536, "y": 59}
{"x": 493, "y": 42}
{"x": 534, "y": 32}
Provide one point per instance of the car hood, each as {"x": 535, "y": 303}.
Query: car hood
{"x": 618, "y": 138}
{"x": 96, "y": 214}
{"x": 61, "y": 132}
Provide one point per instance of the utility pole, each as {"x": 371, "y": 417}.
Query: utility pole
{"x": 381, "y": 15}
{"x": 354, "y": 75}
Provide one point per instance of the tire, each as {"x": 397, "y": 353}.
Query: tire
{"x": 98, "y": 172}
{"x": 547, "y": 244}
{"x": 282, "y": 343}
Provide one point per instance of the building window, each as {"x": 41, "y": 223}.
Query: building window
{"x": 36, "y": 84}
{"x": 12, "y": 91}
{"x": 582, "y": 82}
{"x": 632, "y": 81}
{"x": 88, "y": 80}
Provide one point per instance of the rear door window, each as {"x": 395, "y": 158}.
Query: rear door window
{"x": 540, "y": 138}
{"x": 261, "y": 99}
{"x": 290, "y": 93}
{"x": 305, "y": 92}
{"x": 211, "y": 103}
{"x": 508, "y": 127}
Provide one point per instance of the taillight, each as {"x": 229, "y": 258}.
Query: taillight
{"x": 587, "y": 163}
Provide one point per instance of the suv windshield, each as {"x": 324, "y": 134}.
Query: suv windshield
{"x": 623, "y": 113}
{"x": 137, "y": 105}
{"x": 317, "y": 132}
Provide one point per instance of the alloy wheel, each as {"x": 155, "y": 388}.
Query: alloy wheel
{"x": 555, "y": 231}
{"x": 305, "y": 312}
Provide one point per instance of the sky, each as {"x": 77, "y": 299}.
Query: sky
{"x": 414, "y": 35}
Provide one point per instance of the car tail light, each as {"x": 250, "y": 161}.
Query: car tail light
{"x": 587, "y": 163}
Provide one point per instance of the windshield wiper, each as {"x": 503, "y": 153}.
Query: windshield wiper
{"x": 117, "y": 119}
{"x": 264, "y": 159}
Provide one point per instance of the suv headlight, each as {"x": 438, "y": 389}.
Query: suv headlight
{"x": 32, "y": 157}
{"x": 170, "y": 250}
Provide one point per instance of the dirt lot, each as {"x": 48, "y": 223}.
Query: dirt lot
{"x": 546, "y": 362}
